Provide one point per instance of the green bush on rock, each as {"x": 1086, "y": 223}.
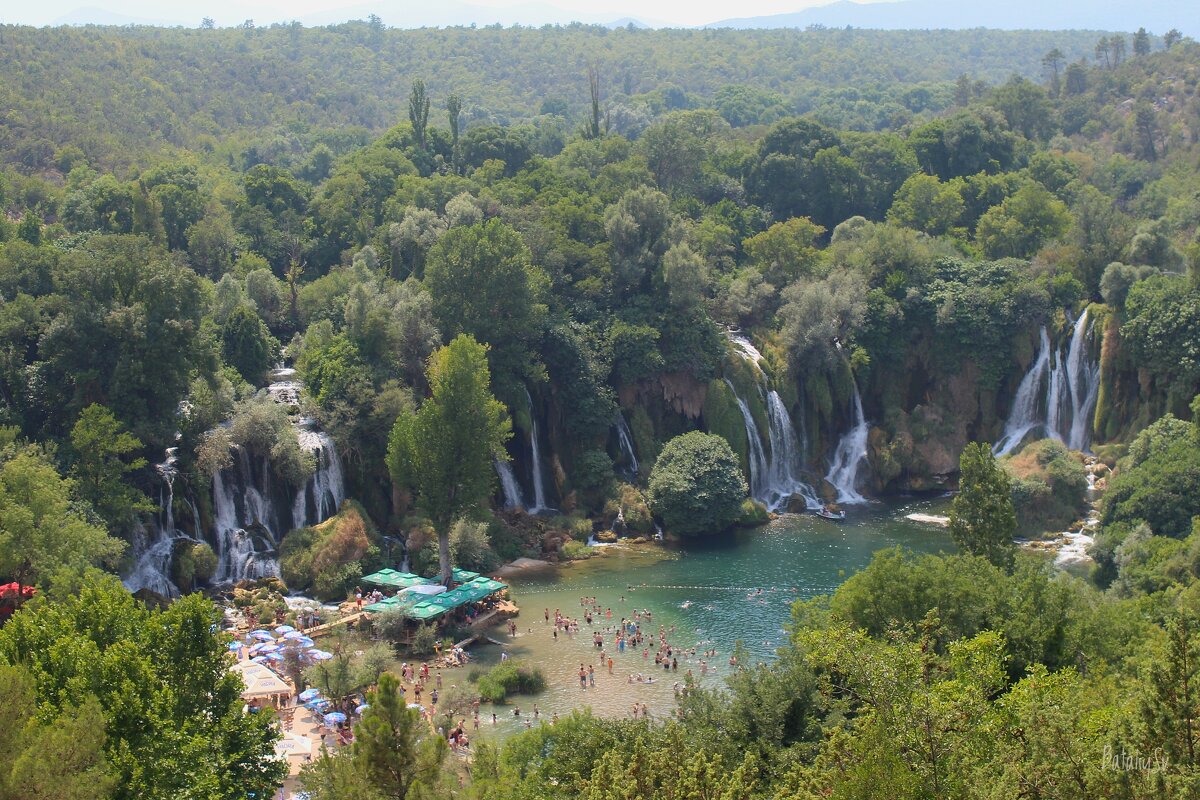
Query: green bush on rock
{"x": 696, "y": 485}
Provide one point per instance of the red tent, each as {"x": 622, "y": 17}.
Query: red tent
{"x": 12, "y": 595}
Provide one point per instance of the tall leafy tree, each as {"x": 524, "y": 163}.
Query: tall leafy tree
{"x": 982, "y": 519}
{"x": 418, "y": 111}
{"x": 393, "y": 747}
{"x": 444, "y": 451}
{"x": 105, "y": 454}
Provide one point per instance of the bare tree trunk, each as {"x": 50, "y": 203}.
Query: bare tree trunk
{"x": 444, "y": 557}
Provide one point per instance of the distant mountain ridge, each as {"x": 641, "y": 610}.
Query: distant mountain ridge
{"x": 1157, "y": 16}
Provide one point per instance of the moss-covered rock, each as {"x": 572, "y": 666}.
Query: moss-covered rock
{"x": 1049, "y": 487}
{"x": 328, "y": 559}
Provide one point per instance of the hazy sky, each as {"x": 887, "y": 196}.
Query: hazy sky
{"x": 393, "y": 12}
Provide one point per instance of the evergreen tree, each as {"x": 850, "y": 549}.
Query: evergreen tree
{"x": 418, "y": 111}
{"x": 982, "y": 519}
{"x": 397, "y": 752}
{"x": 1141, "y": 43}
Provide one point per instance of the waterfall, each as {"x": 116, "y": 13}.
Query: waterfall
{"x": 849, "y": 457}
{"x": 754, "y": 448}
{"x": 1056, "y": 399}
{"x": 539, "y": 491}
{"x": 1083, "y": 378}
{"x": 509, "y": 485}
{"x": 154, "y": 544}
{"x": 786, "y": 453}
{"x": 774, "y": 475}
{"x": 242, "y": 554}
{"x": 326, "y": 488}
{"x": 625, "y": 440}
{"x": 745, "y": 347}
{"x": 1025, "y": 416}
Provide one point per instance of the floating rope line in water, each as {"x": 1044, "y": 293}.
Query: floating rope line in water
{"x": 765, "y": 589}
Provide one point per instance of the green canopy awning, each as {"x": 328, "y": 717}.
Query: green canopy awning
{"x": 385, "y": 604}
{"x": 392, "y": 579}
{"x": 424, "y": 611}
{"x": 487, "y": 583}
{"x": 474, "y": 591}
{"x": 463, "y": 575}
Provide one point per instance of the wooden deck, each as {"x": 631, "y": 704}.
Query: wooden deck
{"x": 327, "y": 627}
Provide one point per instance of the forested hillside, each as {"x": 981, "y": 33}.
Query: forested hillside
{"x": 281, "y": 307}
{"x": 121, "y": 94}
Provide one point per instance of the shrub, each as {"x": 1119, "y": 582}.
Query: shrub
{"x": 327, "y": 558}
{"x": 470, "y": 547}
{"x": 1049, "y": 487}
{"x": 576, "y": 551}
{"x": 696, "y": 485}
{"x": 423, "y": 641}
{"x": 753, "y": 513}
{"x": 509, "y": 677}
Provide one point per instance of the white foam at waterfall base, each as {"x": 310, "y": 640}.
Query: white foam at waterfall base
{"x": 849, "y": 457}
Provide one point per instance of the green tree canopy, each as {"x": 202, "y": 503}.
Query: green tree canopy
{"x": 42, "y": 530}
{"x": 105, "y": 453}
{"x": 482, "y": 284}
{"x": 697, "y": 485}
{"x": 171, "y": 709}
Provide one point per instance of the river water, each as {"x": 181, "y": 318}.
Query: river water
{"x": 714, "y": 593}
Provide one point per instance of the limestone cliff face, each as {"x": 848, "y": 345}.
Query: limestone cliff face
{"x": 918, "y": 447}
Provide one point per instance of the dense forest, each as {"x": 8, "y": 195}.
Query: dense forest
{"x": 246, "y": 276}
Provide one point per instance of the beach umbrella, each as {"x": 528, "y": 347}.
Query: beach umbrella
{"x": 235, "y": 646}
{"x": 284, "y": 629}
{"x": 317, "y": 705}
{"x": 320, "y": 655}
{"x": 361, "y": 708}
{"x": 267, "y": 648}
{"x": 274, "y": 656}
{"x": 303, "y": 641}
{"x": 309, "y": 694}
{"x": 259, "y": 659}
{"x": 262, "y": 636}
{"x": 293, "y": 634}
{"x": 334, "y": 718}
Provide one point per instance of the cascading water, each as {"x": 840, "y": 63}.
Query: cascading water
{"x": 1025, "y": 414}
{"x": 786, "y": 457}
{"x": 539, "y": 491}
{"x": 625, "y": 440}
{"x": 849, "y": 457}
{"x": 756, "y": 456}
{"x": 1056, "y": 399}
{"x": 509, "y": 485}
{"x": 154, "y": 542}
{"x": 1083, "y": 378}
{"x": 774, "y": 476}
